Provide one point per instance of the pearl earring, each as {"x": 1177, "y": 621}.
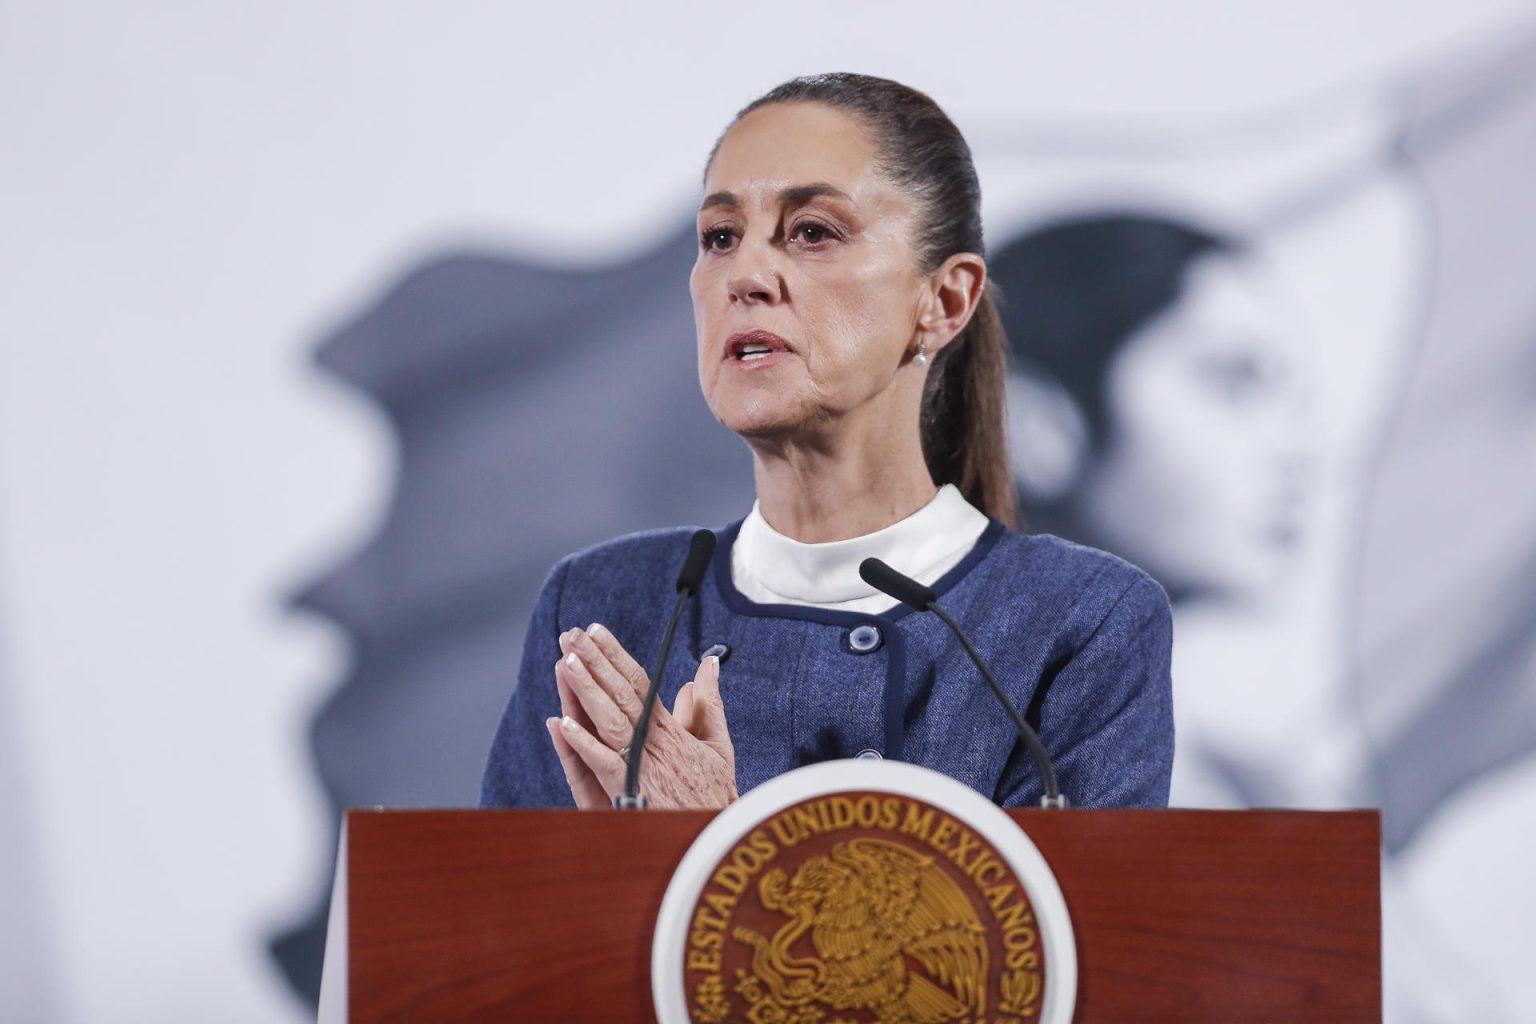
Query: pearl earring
{"x": 922, "y": 354}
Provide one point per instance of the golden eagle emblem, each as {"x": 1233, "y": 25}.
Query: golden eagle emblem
{"x": 892, "y": 933}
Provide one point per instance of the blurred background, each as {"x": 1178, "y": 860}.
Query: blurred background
{"x": 329, "y": 327}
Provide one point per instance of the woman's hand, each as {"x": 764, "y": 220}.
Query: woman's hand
{"x": 689, "y": 760}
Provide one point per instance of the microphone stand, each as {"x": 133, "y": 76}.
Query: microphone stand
{"x": 701, "y": 548}
{"x": 1053, "y": 797}
{"x": 913, "y": 594}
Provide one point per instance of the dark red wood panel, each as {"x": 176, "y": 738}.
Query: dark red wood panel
{"x": 1255, "y": 916}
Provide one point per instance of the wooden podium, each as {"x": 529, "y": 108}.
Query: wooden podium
{"x": 1187, "y": 916}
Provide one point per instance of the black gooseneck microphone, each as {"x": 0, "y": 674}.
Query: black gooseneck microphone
{"x": 912, "y": 593}
{"x": 701, "y": 548}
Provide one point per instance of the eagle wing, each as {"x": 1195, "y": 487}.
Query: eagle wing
{"x": 913, "y": 907}
{"x": 857, "y": 896}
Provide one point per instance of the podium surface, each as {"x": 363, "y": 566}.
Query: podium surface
{"x": 547, "y": 915}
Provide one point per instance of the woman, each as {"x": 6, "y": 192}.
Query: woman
{"x": 844, "y": 332}
{"x": 1154, "y": 408}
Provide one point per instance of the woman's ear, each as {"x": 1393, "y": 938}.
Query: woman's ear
{"x": 1047, "y": 436}
{"x": 954, "y": 291}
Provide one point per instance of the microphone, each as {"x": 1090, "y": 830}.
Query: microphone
{"x": 912, "y": 593}
{"x": 701, "y": 548}
{"x": 893, "y": 584}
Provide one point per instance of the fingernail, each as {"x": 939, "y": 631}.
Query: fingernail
{"x": 569, "y": 724}
{"x": 715, "y": 658}
{"x": 572, "y": 660}
{"x": 596, "y": 629}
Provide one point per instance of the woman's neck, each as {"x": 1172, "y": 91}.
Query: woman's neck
{"x": 815, "y": 493}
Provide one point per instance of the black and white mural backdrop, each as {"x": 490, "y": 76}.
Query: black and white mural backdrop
{"x": 328, "y": 331}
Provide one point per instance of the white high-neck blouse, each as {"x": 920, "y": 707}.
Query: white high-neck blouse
{"x": 770, "y": 568}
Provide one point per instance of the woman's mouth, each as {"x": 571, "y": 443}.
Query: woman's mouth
{"x": 755, "y": 348}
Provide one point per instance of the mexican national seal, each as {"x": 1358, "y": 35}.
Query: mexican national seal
{"x": 856, "y": 892}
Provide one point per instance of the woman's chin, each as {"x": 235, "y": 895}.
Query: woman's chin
{"x": 761, "y": 417}
{"x": 763, "y": 428}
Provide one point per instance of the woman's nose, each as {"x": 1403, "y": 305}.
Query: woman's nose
{"x": 754, "y": 276}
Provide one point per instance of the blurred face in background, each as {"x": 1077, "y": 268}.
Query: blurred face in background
{"x": 806, "y": 290}
{"x": 1198, "y": 478}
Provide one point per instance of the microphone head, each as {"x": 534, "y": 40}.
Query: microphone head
{"x": 892, "y": 583}
{"x": 701, "y": 548}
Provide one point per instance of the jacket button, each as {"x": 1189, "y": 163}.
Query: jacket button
{"x": 863, "y": 639}
{"x": 721, "y": 651}
{"x": 869, "y": 754}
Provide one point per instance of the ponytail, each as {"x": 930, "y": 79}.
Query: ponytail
{"x": 964, "y": 440}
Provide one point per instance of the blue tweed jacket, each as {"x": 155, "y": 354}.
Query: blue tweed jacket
{"x": 1079, "y": 639}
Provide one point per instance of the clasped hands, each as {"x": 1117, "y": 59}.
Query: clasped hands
{"x": 689, "y": 760}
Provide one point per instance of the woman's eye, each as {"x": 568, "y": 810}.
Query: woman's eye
{"x": 1237, "y": 377}
{"x": 811, "y": 234}
{"x": 717, "y": 239}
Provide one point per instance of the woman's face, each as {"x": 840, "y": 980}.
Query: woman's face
{"x": 805, "y": 292}
{"x": 1199, "y": 481}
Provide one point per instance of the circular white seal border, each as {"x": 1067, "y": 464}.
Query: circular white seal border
{"x": 899, "y": 779}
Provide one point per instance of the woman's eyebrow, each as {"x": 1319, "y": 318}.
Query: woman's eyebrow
{"x": 793, "y": 195}
{"x": 797, "y": 195}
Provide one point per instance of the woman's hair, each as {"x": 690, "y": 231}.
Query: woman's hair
{"x": 1077, "y": 290}
{"x": 920, "y": 151}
